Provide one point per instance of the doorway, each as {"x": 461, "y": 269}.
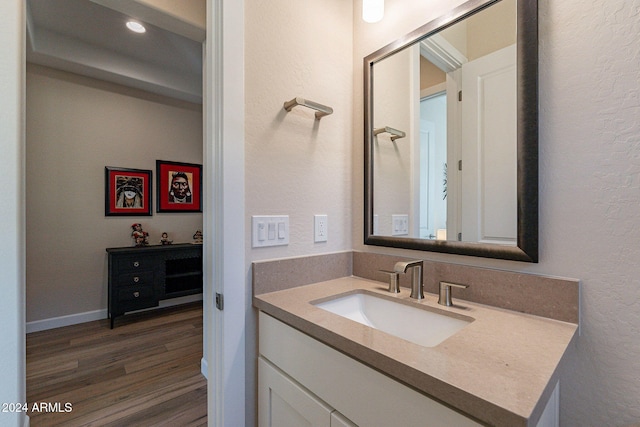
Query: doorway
{"x": 109, "y": 122}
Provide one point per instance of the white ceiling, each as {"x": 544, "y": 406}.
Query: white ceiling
{"x": 84, "y": 37}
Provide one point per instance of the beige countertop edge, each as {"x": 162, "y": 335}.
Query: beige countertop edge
{"x": 515, "y": 371}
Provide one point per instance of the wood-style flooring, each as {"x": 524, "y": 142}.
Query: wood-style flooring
{"x": 144, "y": 372}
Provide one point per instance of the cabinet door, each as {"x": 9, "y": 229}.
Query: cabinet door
{"x": 358, "y": 392}
{"x": 284, "y": 403}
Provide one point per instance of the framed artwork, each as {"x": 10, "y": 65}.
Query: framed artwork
{"x": 127, "y": 192}
{"x": 178, "y": 187}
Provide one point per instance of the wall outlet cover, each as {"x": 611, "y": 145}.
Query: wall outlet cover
{"x": 320, "y": 228}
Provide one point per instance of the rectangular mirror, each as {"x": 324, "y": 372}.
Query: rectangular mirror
{"x": 451, "y": 134}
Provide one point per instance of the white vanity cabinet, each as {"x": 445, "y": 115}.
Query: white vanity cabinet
{"x": 285, "y": 403}
{"x": 304, "y": 382}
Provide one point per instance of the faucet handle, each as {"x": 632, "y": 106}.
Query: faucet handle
{"x": 394, "y": 281}
{"x": 445, "y": 292}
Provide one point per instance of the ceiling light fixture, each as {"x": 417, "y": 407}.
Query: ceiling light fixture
{"x": 372, "y": 10}
{"x": 136, "y": 27}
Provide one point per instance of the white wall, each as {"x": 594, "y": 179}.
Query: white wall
{"x": 296, "y": 165}
{"x": 393, "y": 83}
{"x": 75, "y": 127}
{"x": 589, "y": 186}
{"x": 590, "y": 194}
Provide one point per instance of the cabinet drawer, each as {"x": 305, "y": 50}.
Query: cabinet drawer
{"x": 133, "y": 298}
{"x": 136, "y": 263}
{"x": 135, "y": 279}
{"x": 136, "y": 293}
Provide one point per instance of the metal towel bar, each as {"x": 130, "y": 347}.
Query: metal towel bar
{"x": 321, "y": 110}
{"x": 395, "y": 133}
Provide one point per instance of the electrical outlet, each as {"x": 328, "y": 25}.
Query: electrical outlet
{"x": 320, "y": 228}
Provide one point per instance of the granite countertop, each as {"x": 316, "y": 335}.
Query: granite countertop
{"x": 499, "y": 369}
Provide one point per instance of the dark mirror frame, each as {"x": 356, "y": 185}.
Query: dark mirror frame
{"x": 527, "y": 135}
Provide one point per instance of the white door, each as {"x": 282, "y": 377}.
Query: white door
{"x": 432, "y": 165}
{"x": 426, "y": 173}
{"x": 489, "y": 152}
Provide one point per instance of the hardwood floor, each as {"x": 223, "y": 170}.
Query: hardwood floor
{"x": 144, "y": 372}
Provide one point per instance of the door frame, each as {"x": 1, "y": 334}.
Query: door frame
{"x": 224, "y": 246}
{"x": 12, "y": 211}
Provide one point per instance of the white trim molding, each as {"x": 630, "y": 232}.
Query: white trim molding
{"x": 90, "y": 316}
{"x": 224, "y": 215}
{"x": 442, "y": 53}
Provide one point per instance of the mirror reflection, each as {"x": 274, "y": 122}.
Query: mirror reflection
{"x": 444, "y": 148}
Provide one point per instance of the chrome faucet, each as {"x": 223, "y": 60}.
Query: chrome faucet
{"x": 417, "y": 285}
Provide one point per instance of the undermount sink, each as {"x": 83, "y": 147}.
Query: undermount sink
{"x": 422, "y": 326}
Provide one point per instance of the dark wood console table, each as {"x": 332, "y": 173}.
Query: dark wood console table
{"x": 139, "y": 277}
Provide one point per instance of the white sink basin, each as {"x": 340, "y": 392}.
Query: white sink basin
{"x": 424, "y": 326}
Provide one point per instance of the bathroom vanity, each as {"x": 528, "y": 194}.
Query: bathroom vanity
{"x": 499, "y": 369}
{"x": 501, "y": 365}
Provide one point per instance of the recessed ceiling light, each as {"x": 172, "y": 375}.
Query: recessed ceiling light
{"x": 136, "y": 27}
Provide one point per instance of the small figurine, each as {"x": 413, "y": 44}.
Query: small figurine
{"x": 197, "y": 237}
{"x": 165, "y": 239}
{"x": 138, "y": 235}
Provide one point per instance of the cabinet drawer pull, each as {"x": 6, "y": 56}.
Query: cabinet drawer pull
{"x": 136, "y": 263}
{"x": 136, "y": 294}
{"x": 136, "y": 279}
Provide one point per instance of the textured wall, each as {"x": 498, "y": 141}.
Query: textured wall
{"x": 393, "y": 81}
{"x": 75, "y": 127}
{"x": 589, "y": 187}
{"x": 590, "y": 198}
{"x": 296, "y": 165}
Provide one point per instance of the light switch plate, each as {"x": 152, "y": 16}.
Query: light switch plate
{"x": 269, "y": 230}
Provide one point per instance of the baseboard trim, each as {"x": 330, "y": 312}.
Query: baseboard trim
{"x": 89, "y": 316}
{"x": 71, "y": 319}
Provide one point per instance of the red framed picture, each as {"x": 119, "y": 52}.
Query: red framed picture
{"x": 178, "y": 187}
{"x": 127, "y": 192}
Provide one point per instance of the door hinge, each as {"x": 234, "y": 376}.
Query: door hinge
{"x": 459, "y": 165}
{"x": 459, "y": 237}
{"x": 219, "y": 301}
{"x": 460, "y": 96}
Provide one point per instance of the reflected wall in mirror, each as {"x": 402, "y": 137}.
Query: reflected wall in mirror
{"x": 451, "y": 134}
